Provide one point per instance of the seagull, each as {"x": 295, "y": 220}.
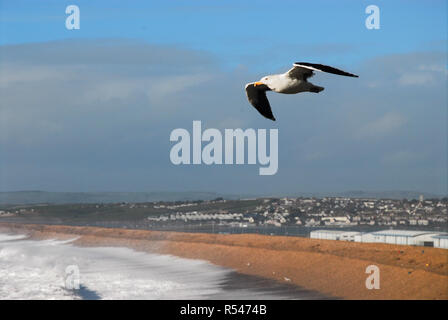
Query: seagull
{"x": 293, "y": 81}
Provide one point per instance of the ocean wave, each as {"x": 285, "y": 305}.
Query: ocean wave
{"x": 57, "y": 269}
{"x": 37, "y": 269}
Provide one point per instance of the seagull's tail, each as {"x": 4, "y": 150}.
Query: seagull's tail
{"x": 316, "y": 89}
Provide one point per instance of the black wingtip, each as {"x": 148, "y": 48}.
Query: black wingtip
{"x": 326, "y": 68}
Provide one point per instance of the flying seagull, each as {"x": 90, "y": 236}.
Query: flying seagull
{"x": 294, "y": 80}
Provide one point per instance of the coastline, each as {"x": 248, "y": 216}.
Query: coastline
{"x": 332, "y": 268}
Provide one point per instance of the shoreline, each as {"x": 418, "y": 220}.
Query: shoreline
{"x": 331, "y": 268}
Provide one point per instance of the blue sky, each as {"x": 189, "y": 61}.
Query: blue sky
{"x": 237, "y": 30}
{"x": 91, "y": 110}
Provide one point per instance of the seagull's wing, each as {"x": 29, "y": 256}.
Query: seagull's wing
{"x": 257, "y": 98}
{"x": 300, "y": 73}
{"x": 305, "y": 70}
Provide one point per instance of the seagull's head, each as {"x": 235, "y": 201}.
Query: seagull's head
{"x": 267, "y": 81}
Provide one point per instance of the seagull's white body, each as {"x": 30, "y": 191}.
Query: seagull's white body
{"x": 283, "y": 83}
{"x": 293, "y": 81}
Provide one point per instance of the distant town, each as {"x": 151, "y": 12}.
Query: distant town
{"x": 321, "y": 212}
{"x": 337, "y": 212}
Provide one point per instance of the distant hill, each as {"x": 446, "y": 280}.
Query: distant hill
{"x": 35, "y": 197}
{"x": 373, "y": 194}
{"x": 391, "y": 194}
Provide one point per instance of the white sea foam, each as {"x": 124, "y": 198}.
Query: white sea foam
{"x": 7, "y": 237}
{"x": 31, "y": 269}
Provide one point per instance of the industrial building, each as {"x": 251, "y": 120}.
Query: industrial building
{"x": 334, "y": 235}
{"x": 400, "y": 237}
{"x": 405, "y": 237}
{"x": 441, "y": 241}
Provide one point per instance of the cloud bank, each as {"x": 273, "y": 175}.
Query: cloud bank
{"x": 87, "y": 115}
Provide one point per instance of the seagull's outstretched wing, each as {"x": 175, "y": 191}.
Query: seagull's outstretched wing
{"x": 304, "y": 70}
{"x": 257, "y": 98}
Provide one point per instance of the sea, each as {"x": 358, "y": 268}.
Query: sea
{"x": 57, "y": 269}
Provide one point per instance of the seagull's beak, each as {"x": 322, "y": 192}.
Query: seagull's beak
{"x": 258, "y": 83}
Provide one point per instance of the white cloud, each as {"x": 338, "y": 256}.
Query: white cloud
{"x": 161, "y": 87}
{"x": 15, "y": 74}
{"x": 383, "y": 126}
{"x": 433, "y": 67}
{"x": 416, "y": 78}
{"x": 402, "y": 157}
{"x": 423, "y": 74}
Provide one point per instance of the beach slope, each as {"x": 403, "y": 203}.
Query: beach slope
{"x": 333, "y": 268}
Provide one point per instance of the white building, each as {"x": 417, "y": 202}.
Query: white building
{"x": 403, "y": 237}
{"x": 334, "y": 235}
{"x": 336, "y": 219}
{"x": 441, "y": 241}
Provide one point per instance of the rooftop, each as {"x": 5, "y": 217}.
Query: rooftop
{"x": 336, "y": 231}
{"x": 401, "y": 233}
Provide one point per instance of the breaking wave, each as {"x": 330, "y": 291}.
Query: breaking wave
{"x": 38, "y": 269}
